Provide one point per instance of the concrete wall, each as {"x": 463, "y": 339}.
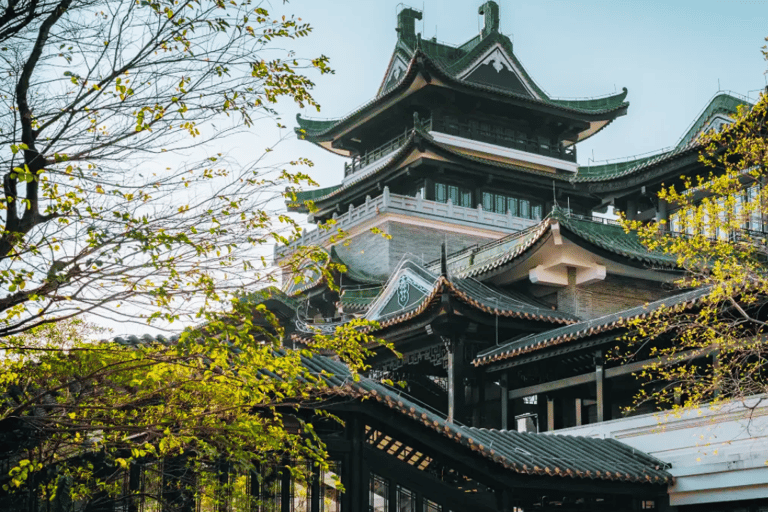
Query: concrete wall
{"x": 717, "y": 455}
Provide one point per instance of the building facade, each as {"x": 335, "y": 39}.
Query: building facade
{"x": 502, "y": 286}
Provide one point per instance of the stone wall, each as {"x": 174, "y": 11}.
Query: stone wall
{"x": 611, "y": 295}
{"x": 377, "y": 256}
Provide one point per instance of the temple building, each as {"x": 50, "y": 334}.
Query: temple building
{"x": 501, "y": 282}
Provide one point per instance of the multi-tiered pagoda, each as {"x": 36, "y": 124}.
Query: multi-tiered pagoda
{"x": 498, "y": 284}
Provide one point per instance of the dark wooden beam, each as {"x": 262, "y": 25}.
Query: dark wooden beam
{"x": 586, "y": 378}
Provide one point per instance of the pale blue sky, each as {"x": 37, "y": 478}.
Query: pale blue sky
{"x": 670, "y": 55}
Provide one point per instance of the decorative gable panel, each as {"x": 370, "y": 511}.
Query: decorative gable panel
{"x": 396, "y": 72}
{"x": 497, "y": 69}
{"x": 402, "y": 294}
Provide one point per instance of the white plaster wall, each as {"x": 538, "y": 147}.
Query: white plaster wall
{"x": 717, "y": 454}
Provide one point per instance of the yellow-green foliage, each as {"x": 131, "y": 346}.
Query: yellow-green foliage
{"x": 715, "y": 349}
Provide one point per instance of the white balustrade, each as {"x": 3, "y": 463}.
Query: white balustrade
{"x": 388, "y": 202}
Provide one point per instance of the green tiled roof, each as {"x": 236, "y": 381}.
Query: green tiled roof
{"x": 271, "y": 293}
{"x": 543, "y": 455}
{"x": 309, "y": 195}
{"x": 472, "y": 263}
{"x": 723, "y": 103}
{"x": 315, "y": 125}
{"x": 354, "y": 273}
{"x": 584, "y": 329}
{"x": 505, "y": 302}
{"x": 613, "y": 238}
{"x": 450, "y": 62}
{"x": 609, "y": 237}
{"x": 454, "y": 60}
{"x": 320, "y": 196}
{"x": 359, "y": 298}
{"x": 546, "y": 455}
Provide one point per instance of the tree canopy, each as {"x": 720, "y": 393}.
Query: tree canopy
{"x": 717, "y": 350}
{"x": 119, "y": 200}
{"x": 119, "y": 196}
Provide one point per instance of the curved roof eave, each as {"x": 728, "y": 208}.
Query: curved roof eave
{"x": 587, "y": 328}
{"x": 429, "y": 142}
{"x": 618, "y": 246}
{"x": 319, "y": 131}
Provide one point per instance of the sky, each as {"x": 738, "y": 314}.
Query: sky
{"x": 673, "y": 56}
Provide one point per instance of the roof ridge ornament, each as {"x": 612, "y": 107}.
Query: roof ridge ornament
{"x": 406, "y": 23}
{"x": 490, "y": 11}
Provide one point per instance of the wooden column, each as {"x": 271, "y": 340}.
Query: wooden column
{"x": 134, "y": 486}
{"x": 603, "y": 408}
{"x": 505, "y": 501}
{"x": 478, "y": 410}
{"x": 255, "y": 488}
{"x": 504, "y": 384}
{"x": 662, "y": 213}
{"x": 631, "y": 212}
{"x": 541, "y": 412}
{"x": 550, "y": 414}
{"x": 286, "y": 504}
{"x": 353, "y": 472}
{"x": 578, "y": 411}
{"x": 314, "y": 505}
{"x": 456, "y": 373}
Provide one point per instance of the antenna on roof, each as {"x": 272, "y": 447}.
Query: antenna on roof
{"x": 554, "y": 194}
{"x": 718, "y": 85}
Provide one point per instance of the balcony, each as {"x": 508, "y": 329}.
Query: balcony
{"x": 503, "y": 136}
{"x": 477, "y": 131}
{"x": 413, "y": 206}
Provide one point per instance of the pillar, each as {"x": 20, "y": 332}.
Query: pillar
{"x": 456, "y": 374}
{"x": 504, "y": 384}
{"x": 578, "y": 411}
{"x": 601, "y": 390}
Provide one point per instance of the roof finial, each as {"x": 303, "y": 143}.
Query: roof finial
{"x": 443, "y": 261}
{"x": 490, "y": 12}
{"x": 406, "y": 23}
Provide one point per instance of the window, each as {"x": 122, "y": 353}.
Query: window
{"x": 379, "y": 492}
{"x": 431, "y": 506}
{"x": 501, "y": 203}
{"x": 406, "y": 500}
{"x": 330, "y": 481}
{"x": 459, "y": 196}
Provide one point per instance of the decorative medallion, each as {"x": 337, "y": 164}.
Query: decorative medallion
{"x": 403, "y": 291}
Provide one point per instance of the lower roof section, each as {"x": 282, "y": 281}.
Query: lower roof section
{"x": 521, "y": 453}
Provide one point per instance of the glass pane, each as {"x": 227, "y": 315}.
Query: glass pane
{"x": 536, "y": 211}
{"x": 525, "y": 208}
{"x": 377, "y": 501}
{"x": 466, "y": 198}
{"x": 431, "y": 506}
{"x": 487, "y": 201}
{"x": 330, "y": 481}
{"x": 512, "y": 206}
{"x": 500, "y": 204}
{"x": 406, "y": 500}
{"x": 440, "y": 193}
{"x": 453, "y": 194}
